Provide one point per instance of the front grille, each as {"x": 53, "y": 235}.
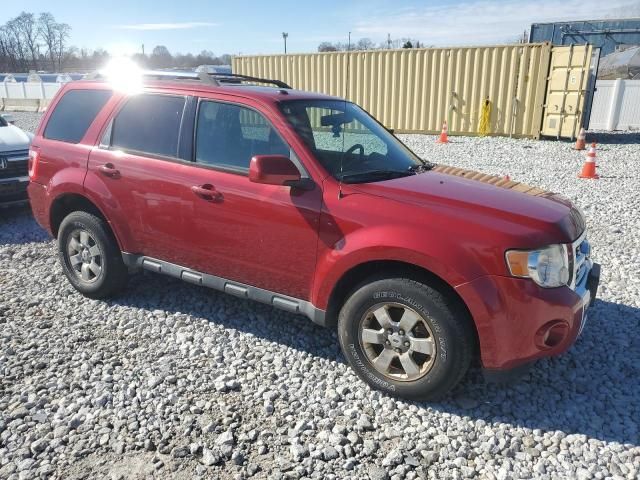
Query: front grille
{"x": 581, "y": 252}
{"x": 15, "y": 164}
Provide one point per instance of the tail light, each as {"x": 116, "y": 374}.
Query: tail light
{"x": 34, "y": 158}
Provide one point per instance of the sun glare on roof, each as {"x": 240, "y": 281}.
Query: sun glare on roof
{"x": 124, "y": 75}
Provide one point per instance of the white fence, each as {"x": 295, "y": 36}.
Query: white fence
{"x": 616, "y": 105}
{"x": 30, "y": 96}
{"x": 29, "y": 90}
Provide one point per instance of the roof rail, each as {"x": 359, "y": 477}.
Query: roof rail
{"x": 169, "y": 75}
{"x": 211, "y": 78}
{"x": 237, "y": 76}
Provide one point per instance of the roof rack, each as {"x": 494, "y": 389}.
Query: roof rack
{"x": 211, "y": 78}
{"x": 230, "y": 77}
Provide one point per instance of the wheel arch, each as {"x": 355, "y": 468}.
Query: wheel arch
{"x": 378, "y": 269}
{"x": 67, "y": 203}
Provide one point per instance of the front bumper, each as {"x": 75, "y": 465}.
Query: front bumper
{"x": 518, "y": 321}
{"x": 13, "y": 190}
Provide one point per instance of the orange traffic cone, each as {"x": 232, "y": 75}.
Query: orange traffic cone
{"x": 589, "y": 167}
{"x": 581, "y": 139}
{"x": 443, "y": 135}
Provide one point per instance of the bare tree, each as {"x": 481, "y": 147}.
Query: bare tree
{"x": 160, "y": 57}
{"x": 28, "y": 31}
{"x": 365, "y": 44}
{"x": 16, "y": 44}
{"x": 47, "y": 28}
{"x": 22, "y": 37}
{"x": 362, "y": 44}
{"x": 7, "y": 59}
{"x": 327, "y": 47}
{"x": 62, "y": 35}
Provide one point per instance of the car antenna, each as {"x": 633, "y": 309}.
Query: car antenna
{"x": 346, "y": 93}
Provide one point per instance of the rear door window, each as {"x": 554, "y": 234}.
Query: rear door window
{"x": 150, "y": 124}
{"x": 74, "y": 113}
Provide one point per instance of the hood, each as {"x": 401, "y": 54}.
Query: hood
{"x": 13, "y": 138}
{"x": 487, "y": 195}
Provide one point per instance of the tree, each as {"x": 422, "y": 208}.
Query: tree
{"x": 362, "y": 44}
{"x": 8, "y": 59}
{"x": 26, "y": 22}
{"x": 365, "y": 44}
{"x": 23, "y": 37}
{"x": 160, "y": 57}
{"x": 327, "y": 47}
{"x": 407, "y": 44}
{"x": 62, "y": 35}
{"x": 47, "y": 28}
{"x": 16, "y": 43}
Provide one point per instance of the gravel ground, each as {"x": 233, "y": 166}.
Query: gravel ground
{"x": 173, "y": 381}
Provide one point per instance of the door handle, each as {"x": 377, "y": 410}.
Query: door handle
{"x": 109, "y": 170}
{"x": 207, "y": 192}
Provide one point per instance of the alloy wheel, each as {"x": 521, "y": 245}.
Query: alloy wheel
{"x": 398, "y": 341}
{"x": 85, "y": 255}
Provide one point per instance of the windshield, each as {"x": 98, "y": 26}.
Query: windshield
{"x": 3, "y": 122}
{"x": 350, "y": 143}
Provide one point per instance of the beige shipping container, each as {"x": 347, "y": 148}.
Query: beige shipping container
{"x": 566, "y": 90}
{"x": 415, "y": 90}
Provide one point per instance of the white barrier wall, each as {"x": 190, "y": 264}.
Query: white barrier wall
{"x": 616, "y": 105}
{"x": 29, "y": 90}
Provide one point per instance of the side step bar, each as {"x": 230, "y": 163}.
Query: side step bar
{"x": 283, "y": 302}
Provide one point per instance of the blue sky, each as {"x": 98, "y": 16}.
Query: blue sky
{"x": 249, "y": 26}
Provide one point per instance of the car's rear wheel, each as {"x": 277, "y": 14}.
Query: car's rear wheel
{"x": 405, "y": 338}
{"x": 90, "y": 256}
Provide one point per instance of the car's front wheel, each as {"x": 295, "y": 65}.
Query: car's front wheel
{"x": 90, "y": 256}
{"x": 405, "y": 338}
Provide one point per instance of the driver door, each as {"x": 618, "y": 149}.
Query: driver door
{"x": 261, "y": 235}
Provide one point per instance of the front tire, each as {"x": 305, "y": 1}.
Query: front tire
{"x": 90, "y": 256}
{"x": 404, "y": 338}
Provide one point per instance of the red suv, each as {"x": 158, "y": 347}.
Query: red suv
{"x": 307, "y": 203}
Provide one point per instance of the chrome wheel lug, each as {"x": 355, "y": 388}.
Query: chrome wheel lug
{"x": 387, "y": 342}
{"x": 390, "y": 331}
{"x": 407, "y": 344}
{"x": 398, "y": 350}
{"x": 401, "y": 332}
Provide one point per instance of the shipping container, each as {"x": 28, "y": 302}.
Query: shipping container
{"x": 416, "y": 90}
{"x": 607, "y": 35}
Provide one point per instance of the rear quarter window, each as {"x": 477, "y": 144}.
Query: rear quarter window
{"x": 74, "y": 113}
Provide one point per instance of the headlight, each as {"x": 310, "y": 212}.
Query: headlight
{"x": 548, "y": 267}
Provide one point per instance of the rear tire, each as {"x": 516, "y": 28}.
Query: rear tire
{"x": 90, "y": 256}
{"x": 405, "y": 338}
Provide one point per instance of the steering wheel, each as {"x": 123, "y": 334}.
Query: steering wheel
{"x": 353, "y": 148}
{"x": 350, "y": 151}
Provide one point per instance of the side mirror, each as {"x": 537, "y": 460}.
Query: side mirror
{"x": 9, "y": 118}
{"x": 274, "y": 170}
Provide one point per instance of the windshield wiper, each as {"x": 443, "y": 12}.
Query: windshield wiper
{"x": 374, "y": 175}
{"x": 423, "y": 167}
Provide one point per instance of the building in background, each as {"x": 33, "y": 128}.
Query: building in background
{"x": 609, "y": 35}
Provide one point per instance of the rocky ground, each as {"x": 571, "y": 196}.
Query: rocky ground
{"x": 173, "y": 381}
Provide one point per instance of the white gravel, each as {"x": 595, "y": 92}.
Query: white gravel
{"x": 174, "y": 381}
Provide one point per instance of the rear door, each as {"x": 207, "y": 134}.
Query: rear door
{"x": 143, "y": 182}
